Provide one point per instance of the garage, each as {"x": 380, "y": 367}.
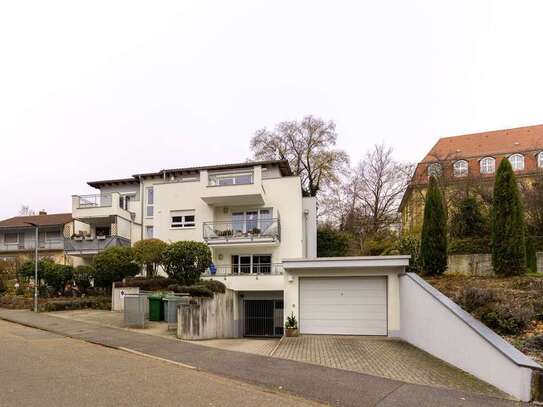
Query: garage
{"x": 343, "y": 305}
{"x": 344, "y": 295}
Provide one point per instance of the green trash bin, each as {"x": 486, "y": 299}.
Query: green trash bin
{"x": 156, "y": 309}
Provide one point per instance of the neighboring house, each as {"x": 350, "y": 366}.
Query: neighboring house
{"x": 472, "y": 159}
{"x": 252, "y": 215}
{"x": 18, "y": 238}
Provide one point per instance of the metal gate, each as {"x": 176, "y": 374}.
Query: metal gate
{"x": 260, "y": 317}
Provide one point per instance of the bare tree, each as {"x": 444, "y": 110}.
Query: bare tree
{"x": 25, "y": 210}
{"x": 308, "y": 146}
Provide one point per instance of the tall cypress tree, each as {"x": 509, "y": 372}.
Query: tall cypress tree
{"x": 508, "y": 230}
{"x": 433, "y": 242}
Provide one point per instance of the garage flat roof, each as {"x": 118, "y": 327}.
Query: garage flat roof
{"x": 346, "y": 262}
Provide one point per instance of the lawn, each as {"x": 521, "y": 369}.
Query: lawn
{"x": 513, "y": 307}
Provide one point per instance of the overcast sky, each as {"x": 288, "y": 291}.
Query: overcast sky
{"x": 98, "y": 90}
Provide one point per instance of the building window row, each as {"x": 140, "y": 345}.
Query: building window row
{"x": 487, "y": 165}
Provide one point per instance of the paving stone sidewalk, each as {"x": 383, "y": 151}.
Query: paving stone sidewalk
{"x": 333, "y": 386}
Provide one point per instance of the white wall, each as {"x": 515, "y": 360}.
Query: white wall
{"x": 251, "y": 282}
{"x": 433, "y": 323}
{"x": 310, "y": 226}
{"x": 292, "y": 298}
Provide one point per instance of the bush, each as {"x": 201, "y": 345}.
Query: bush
{"x": 531, "y": 255}
{"x": 504, "y": 320}
{"x": 470, "y": 246}
{"x": 185, "y": 261}
{"x": 57, "y": 275}
{"x": 468, "y": 220}
{"x": 473, "y": 298}
{"x": 408, "y": 245}
{"x": 144, "y": 283}
{"x": 83, "y": 276}
{"x": 26, "y": 269}
{"x": 192, "y": 290}
{"x": 535, "y": 343}
{"x": 213, "y": 285}
{"x": 114, "y": 264}
{"x": 508, "y": 230}
{"x": 433, "y": 244}
{"x": 102, "y": 303}
{"x": 331, "y": 242}
{"x": 148, "y": 253}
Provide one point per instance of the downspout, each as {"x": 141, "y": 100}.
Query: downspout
{"x": 142, "y": 197}
{"x": 306, "y": 215}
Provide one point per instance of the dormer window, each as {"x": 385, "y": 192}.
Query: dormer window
{"x": 487, "y": 165}
{"x": 517, "y": 162}
{"x": 460, "y": 168}
{"x": 540, "y": 160}
{"x": 434, "y": 170}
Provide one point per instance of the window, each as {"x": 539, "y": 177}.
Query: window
{"x": 149, "y": 232}
{"x": 540, "y": 160}
{"x": 231, "y": 179}
{"x": 251, "y": 263}
{"x": 434, "y": 170}
{"x": 460, "y": 168}
{"x": 487, "y": 165}
{"x": 517, "y": 162}
{"x": 150, "y": 202}
{"x": 125, "y": 200}
{"x": 11, "y": 238}
{"x": 183, "y": 219}
{"x": 258, "y": 220}
{"x": 52, "y": 235}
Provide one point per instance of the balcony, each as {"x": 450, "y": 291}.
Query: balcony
{"x": 268, "y": 269}
{"x": 98, "y": 206}
{"x": 31, "y": 245}
{"x": 79, "y": 245}
{"x": 233, "y": 189}
{"x": 259, "y": 231}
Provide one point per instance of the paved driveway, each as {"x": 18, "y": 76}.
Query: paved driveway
{"x": 379, "y": 356}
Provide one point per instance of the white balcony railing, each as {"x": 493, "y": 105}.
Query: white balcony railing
{"x": 94, "y": 201}
{"x": 31, "y": 245}
{"x": 243, "y": 230}
{"x": 245, "y": 269}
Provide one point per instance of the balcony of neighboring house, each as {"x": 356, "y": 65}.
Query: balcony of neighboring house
{"x": 100, "y": 206}
{"x": 233, "y": 188}
{"x": 243, "y": 229}
{"x": 23, "y": 241}
{"x": 89, "y": 236}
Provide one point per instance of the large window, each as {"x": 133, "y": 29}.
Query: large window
{"x": 231, "y": 179}
{"x": 251, "y": 264}
{"x": 517, "y": 162}
{"x": 149, "y": 232}
{"x": 540, "y": 160}
{"x": 183, "y": 219}
{"x": 487, "y": 165}
{"x": 11, "y": 238}
{"x": 255, "y": 221}
{"x": 460, "y": 168}
{"x": 150, "y": 204}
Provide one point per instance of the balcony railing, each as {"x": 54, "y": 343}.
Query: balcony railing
{"x": 243, "y": 230}
{"x": 93, "y": 244}
{"x": 94, "y": 201}
{"x": 31, "y": 245}
{"x": 245, "y": 269}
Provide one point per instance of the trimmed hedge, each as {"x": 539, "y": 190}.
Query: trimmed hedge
{"x": 201, "y": 289}
{"x": 145, "y": 283}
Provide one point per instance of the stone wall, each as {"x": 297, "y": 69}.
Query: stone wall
{"x": 207, "y": 318}
{"x": 478, "y": 264}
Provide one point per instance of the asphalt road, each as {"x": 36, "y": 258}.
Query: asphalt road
{"x": 39, "y": 368}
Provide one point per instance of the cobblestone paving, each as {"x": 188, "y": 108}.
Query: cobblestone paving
{"x": 385, "y": 357}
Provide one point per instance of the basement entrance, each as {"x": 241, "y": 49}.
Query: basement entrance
{"x": 263, "y": 318}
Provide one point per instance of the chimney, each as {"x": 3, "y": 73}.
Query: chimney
{"x": 42, "y": 212}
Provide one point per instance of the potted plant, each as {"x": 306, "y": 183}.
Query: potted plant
{"x": 291, "y": 326}
{"x": 78, "y": 236}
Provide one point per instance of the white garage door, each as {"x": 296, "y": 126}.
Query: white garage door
{"x": 343, "y": 305}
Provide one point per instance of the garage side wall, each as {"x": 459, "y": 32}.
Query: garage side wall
{"x": 292, "y": 290}
{"x": 435, "y": 324}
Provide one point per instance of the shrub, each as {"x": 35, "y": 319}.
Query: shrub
{"x": 192, "y": 290}
{"x": 57, "y": 275}
{"x": 148, "y": 254}
{"x": 26, "y": 269}
{"x": 114, "y": 264}
{"x": 434, "y": 231}
{"x": 531, "y": 255}
{"x": 508, "y": 239}
{"x": 83, "y": 276}
{"x": 535, "y": 343}
{"x": 331, "y": 242}
{"x": 144, "y": 283}
{"x": 185, "y": 261}
{"x": 468, "y": 220}
{"x": 2, "y": 287}
{"x": 407, "y": 245}
{"x": 213, "y": 285}
{"x": 473, "y": 298}
{"x": 504, "y": 320}
{"x": 470, "y": 246}
{"x": 291, "y": 322}
{"x": 102, "y": 303}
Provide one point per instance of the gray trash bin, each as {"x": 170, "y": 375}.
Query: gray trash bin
{"x": 170, "y": 308}
{"x": 135, "y": 308}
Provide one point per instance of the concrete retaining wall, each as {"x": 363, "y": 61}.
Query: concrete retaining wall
{"x": 207, "y": 318}
{"x": 117, "y": 296}
{"x": 435, "y": 324}
{"x": 478, "y": 264}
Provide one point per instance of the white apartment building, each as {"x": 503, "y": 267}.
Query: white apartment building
{"x": 252, "y": 215}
